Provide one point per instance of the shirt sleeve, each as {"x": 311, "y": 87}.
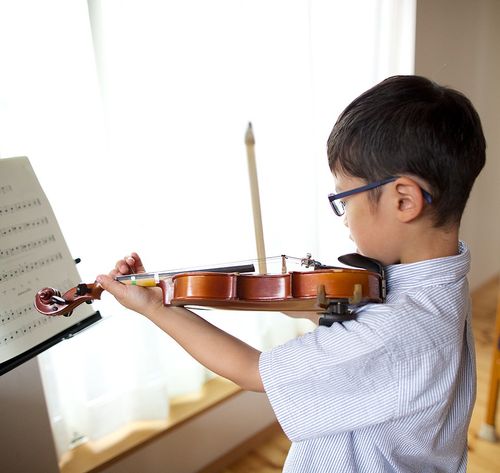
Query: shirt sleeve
{"x": 331, "y": 380}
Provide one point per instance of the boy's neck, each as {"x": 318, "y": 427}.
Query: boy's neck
{"x": 434, "y": 243}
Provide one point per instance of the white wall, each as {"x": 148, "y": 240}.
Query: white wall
{"x": 458, "y": 44}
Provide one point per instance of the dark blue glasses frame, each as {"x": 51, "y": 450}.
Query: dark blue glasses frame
{"x": 338, "y": 205}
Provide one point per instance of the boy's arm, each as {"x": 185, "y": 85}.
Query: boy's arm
{"x": 217, "y": 350}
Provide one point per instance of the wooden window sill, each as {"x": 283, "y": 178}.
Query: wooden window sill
{"x": 93, "y": 455}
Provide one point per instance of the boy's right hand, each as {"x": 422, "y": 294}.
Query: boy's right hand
{"x": 144, "y": 300}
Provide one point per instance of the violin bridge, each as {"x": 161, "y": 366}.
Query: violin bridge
{"x": 283, "y": 265}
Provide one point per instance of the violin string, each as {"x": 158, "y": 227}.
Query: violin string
{"x": 163, "y": 273}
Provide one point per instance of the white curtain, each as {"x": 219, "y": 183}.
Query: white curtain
{"x": 133, "y": 113}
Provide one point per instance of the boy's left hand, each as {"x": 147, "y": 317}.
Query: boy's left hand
{"x": 144, "y": 300}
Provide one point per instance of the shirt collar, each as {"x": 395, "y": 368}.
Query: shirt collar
{"x": 429, "y": 272}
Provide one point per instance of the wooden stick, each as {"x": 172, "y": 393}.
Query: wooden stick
{"x": 254, "y": 188}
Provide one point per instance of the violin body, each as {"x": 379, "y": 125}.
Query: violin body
{"x": 293, "y": 291}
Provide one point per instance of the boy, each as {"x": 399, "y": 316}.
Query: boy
{"x": 393, "y": 390}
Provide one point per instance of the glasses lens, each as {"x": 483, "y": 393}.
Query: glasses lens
{"x": 338, "y": 207}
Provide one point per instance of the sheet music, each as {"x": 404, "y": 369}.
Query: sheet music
{"x": 33, "y": 255}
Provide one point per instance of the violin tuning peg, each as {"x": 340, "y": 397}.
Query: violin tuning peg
{"x": 82, "y": 289}
{"x": 57, "y": 300}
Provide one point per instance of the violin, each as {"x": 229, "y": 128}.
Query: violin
{"x": 333, "y": 292}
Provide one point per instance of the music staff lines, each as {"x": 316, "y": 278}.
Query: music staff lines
{"x": 24, "y": 268}
{"x": 24, "y": 330}
{"x": 27, "y": 246}
{"x": 10, "y": 315}
{"x": 17, "y": 228}
{"x": 19, "y": 206}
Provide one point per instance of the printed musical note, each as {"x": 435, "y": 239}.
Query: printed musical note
{"x": 5, "y": 188}
{"x": 19, "y": 206}
{"x": 29, "y": 245}
{"x": 23, "y": 268}
{"x": 20, "y": 227}
{"x": 10, "y": 315}
{"x": 24, "y": 330}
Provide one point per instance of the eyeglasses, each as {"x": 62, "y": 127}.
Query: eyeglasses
{"x": 338, "y": 204}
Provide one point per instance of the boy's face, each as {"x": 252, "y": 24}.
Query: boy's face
{"x": 372, "y": 225}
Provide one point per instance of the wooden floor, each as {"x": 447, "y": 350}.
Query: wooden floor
{"x": 484, "y": 457}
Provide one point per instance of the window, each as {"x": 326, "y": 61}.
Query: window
{"x": 134, "y": 121}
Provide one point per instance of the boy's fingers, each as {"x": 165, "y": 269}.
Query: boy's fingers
{"x": 138, "y": 266}
{"x": 121, "y": 267}
{"x": 129, "y": 265}
{"x": 109, "y": 284}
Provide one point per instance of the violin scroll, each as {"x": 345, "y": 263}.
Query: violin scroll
{"x": 49, "y": 301}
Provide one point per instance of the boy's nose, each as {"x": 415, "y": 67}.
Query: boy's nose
{"x": 345, "y": 221}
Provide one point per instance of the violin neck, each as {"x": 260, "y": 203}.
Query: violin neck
{"x": 152, "y": 279}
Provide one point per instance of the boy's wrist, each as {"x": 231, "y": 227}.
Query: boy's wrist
{"x": 153, "y": 311}
{"x": 164, "y": 313}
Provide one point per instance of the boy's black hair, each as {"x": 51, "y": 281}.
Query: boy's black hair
{"x": 409, "y": 125}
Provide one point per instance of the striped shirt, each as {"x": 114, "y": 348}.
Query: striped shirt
{"x": 391, "y": 391}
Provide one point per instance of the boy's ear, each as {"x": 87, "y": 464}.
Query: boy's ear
{"x": 410, "y": 199}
